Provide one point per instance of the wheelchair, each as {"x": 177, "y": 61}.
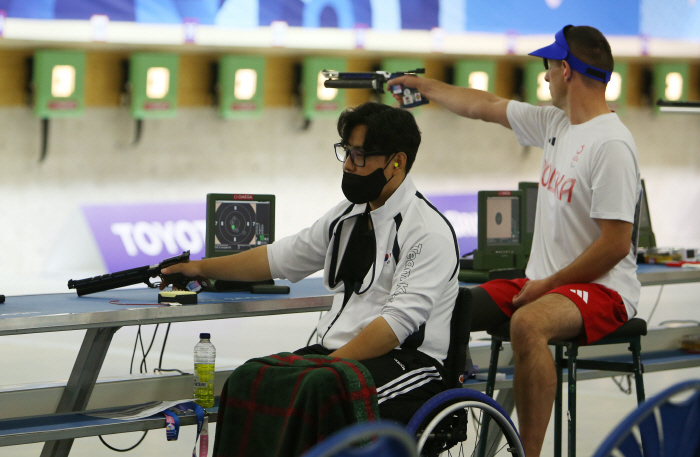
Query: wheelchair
{"x": 453, "y": 418}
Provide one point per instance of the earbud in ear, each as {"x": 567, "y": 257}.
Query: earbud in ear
{"x": 396, "y": 165}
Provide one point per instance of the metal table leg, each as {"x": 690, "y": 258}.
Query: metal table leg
{"x": 81, "y": 382}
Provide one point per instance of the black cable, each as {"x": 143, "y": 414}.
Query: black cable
{"x": 469, "y": 253}
{"x": 627, "y": 390}
{"x": 145, "y": 353}
{"x": 308, "y": 342}
{"x": 162, "y": 350}
{"x": 123, "y": 450}
{"x": 133, "y": 354}
{"x": 140, "y": 335}
{"x": 131, "y": 369}
{"x": 169, "y": 369}
{"x": 658, "y": 298}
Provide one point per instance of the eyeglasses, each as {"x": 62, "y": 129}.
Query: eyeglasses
{"x": 546, "y": 64}
{"x": 356, "y": 157}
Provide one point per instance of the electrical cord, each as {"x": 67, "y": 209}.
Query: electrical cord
{"x": 308, "y": 342}
{"x": 160, "y": 359}
{"x": 162, "y": 350}
{"x": 145, "y": 354}
{"x": 123, "y": 450}
{"x": 143, "y": 368}
{"x": 142, "y": 365}
{"x": 658, "y": 298}
{"x": 626, "y": 390}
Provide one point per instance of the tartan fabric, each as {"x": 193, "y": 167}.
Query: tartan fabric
{"x": 283, "y": 404}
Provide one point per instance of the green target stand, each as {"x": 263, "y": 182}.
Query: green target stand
{"x": 153, "y": 78}
{"x": 319, "y": 101}
{"x": 59, "y": 83}
{"x": 241, "y": 86}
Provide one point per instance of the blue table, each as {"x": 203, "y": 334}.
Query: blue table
{"x": 102, "y": 317}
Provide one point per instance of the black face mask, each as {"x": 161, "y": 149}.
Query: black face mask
{"x": 363, "y": 189}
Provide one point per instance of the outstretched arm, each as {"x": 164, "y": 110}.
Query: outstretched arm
{"x": 470, "y": 103}
{"x": 251, "y": 265}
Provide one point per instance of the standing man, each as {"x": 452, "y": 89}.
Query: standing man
{"x": 388, "y": 255}
{"x": 581, "y": 277}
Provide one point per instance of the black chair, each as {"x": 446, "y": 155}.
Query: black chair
{"x": 629, "y": 333}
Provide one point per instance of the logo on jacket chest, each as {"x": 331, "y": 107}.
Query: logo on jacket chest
{"x": 574, "y": 159}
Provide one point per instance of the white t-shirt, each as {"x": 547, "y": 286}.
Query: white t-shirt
{"x": 589, "y": 171}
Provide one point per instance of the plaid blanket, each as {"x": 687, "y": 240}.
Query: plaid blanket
{"x": 283, "y": 404}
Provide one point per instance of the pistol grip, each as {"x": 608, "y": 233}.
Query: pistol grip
{"x": 410, "y": 97}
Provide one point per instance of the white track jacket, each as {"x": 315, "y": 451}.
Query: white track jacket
{"x": 412, "y": 283}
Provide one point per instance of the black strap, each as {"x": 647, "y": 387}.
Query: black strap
{"x": 454, "y": 236}
{"x": 396, "y": 250}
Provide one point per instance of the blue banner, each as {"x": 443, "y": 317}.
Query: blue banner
{"x": 656, "y": 18}
{"x": 462, "y": 212}
{"x": 132, "y": 235}
{"x": 620, "y": 17}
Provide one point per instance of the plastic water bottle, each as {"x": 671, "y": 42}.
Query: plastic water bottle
{"x": 204, "y": 355}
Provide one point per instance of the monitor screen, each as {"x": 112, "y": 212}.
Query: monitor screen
{"x": 644, "y": 219}
{"x": 502, "y": 220}
{"x": 642, "y": 229}
{"x": 238, "y": 222}
{"x": 531, "y": 200}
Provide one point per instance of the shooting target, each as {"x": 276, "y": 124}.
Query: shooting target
{"x": 235, "y": 223}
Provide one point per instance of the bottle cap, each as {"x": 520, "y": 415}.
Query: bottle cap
{"x": 204, "y": 336}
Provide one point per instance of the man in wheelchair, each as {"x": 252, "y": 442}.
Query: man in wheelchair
{"x": 388, "y": 255}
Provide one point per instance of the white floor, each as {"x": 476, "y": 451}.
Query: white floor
{"x": 49, "y": 357}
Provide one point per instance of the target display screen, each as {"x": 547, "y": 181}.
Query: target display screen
{"x": 503, "y": 220}
{"x": 238, "y": 222}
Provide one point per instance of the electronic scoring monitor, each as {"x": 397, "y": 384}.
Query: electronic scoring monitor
{"x": 238, "y": 222}
{"x": 646, "y": 234}
{"x": 502, "y": 219}
{"x": 500, "y": 230}
{"x": 529, "y": 210}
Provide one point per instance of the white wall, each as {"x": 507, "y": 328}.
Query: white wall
{"x": 90, "y": 160}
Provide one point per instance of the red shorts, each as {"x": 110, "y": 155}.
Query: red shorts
{"x": 602, "y": 309}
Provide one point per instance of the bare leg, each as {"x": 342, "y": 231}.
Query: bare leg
{"x": 552, "y": 317}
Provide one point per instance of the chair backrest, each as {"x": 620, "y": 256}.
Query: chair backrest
{"x": 455, "y": 363}
{"x": 392, "y": 441}
{"x": 679, "y": 421}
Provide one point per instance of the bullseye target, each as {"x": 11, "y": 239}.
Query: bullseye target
{"x": 235, "y": 223}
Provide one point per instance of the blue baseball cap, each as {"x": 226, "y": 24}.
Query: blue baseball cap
{"x": 559, "y": 50}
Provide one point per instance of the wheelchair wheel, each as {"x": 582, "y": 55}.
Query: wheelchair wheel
{"x": 451, "y": 422}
